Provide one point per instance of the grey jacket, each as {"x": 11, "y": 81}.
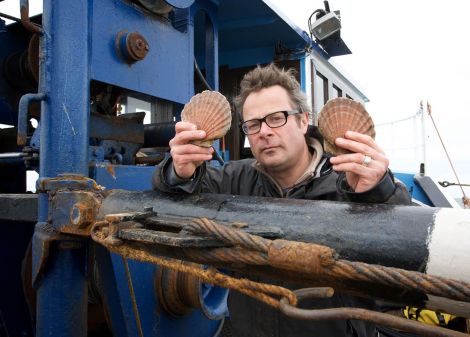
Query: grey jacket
{"x": 248, "y": 317}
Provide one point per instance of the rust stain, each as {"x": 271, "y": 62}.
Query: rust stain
{"x": 300, "y": 256}
{"x": 68, "y": 176}
{"x": 110, "y": 169}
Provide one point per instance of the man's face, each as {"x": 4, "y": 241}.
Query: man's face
{"x": 277, "y": 149}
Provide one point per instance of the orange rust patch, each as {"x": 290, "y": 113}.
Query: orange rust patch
{"x": 299, "y": 256}
{"x": 110, "y": 169}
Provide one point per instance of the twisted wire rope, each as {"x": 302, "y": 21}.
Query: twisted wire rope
{"x": 389, "y": 276}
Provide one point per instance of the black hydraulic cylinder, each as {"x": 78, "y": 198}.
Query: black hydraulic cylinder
{"x": 425, "y": 239}
{"x": 394, "y": 236}
{"x": 158, "y": 134}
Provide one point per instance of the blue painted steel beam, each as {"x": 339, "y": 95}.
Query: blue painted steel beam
{"x": 64, "y": 79}
{"x": 61, "y": 297}
{"x": 131, "y": 178}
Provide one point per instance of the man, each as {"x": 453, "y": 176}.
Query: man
{"x": 286, "y": 164}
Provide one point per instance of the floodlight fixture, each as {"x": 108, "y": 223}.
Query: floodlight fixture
{"x": 326, "y": 26}
{"x": 327, "y": 31}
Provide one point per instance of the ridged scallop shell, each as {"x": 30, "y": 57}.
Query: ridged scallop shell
{"x": 340, "y": 115}
{"x": 209, "y": 111}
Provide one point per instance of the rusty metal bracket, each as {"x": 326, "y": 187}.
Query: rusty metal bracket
{"x": 31, "y": 26}
{"x": 131, "y": 227}
{"x": 74, "y": 201}
{"x": 151, "y": 228}
{"x": 359, "y": 314}
{"x": 73, "y": 212}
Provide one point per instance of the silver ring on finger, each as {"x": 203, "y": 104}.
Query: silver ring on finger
{"x": 366, "y": 160}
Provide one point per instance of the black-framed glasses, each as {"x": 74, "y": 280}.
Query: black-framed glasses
{"x": 273, "y": 120}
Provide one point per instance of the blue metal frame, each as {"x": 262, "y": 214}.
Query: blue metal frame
{"x": 78, "y": 46}
{"x": 162, "y": 73}
{"x": 62, "y": 290}
{"x": 75, "y": 54}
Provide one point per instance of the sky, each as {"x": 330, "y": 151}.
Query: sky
{"x": 402, "y": 52}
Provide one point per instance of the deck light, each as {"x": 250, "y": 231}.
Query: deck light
{"x": 326, "y": 30}
{"x": 326, "y": 26}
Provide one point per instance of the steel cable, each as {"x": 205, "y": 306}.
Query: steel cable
{"x": 395, "y": 277}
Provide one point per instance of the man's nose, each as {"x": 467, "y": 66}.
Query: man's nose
{"x": 264, "y": 129}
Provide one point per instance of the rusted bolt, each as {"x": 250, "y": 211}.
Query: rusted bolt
{"x": 132, "y": 46}
{"x": 137, "y": 46}
{"x": 81, "y": 215}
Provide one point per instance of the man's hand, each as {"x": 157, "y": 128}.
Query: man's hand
{"x": 187, "y": 157}
{"x": 362, "y": 173}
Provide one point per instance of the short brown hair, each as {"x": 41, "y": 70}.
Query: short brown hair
{"x": 268, "y": 76}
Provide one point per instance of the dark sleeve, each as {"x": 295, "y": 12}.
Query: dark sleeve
{"x": 208, "y": 179}
{"x": 386, "y": 191}
{"x": 165, "y": 179}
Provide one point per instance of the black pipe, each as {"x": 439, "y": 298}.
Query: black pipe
{"x": 158, "y": 134}
{"x": 11, "y": 159}
{"x": 391, "y": 236}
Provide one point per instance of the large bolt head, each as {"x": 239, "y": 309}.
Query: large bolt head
{"x": 132, "y": 47}
{"x": 81, "y": 215}
{"x": 137, "y": 46}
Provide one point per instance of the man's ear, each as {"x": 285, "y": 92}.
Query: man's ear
{"x": 304, "y": 122}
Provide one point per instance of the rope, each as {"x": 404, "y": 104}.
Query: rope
{"x": 320, "y": 260}
{"x": 445, "y": 150}
{"x": 227, "y": 255}
{"x": 395, "y": 277}
{"x": 228, "y": 235}
{"x": 135, "y": 308}
{"x": 211, "y": 276}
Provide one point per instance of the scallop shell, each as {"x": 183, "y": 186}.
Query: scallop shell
{"x": 209, "y": 111}
{"x": 340, "y": 115}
